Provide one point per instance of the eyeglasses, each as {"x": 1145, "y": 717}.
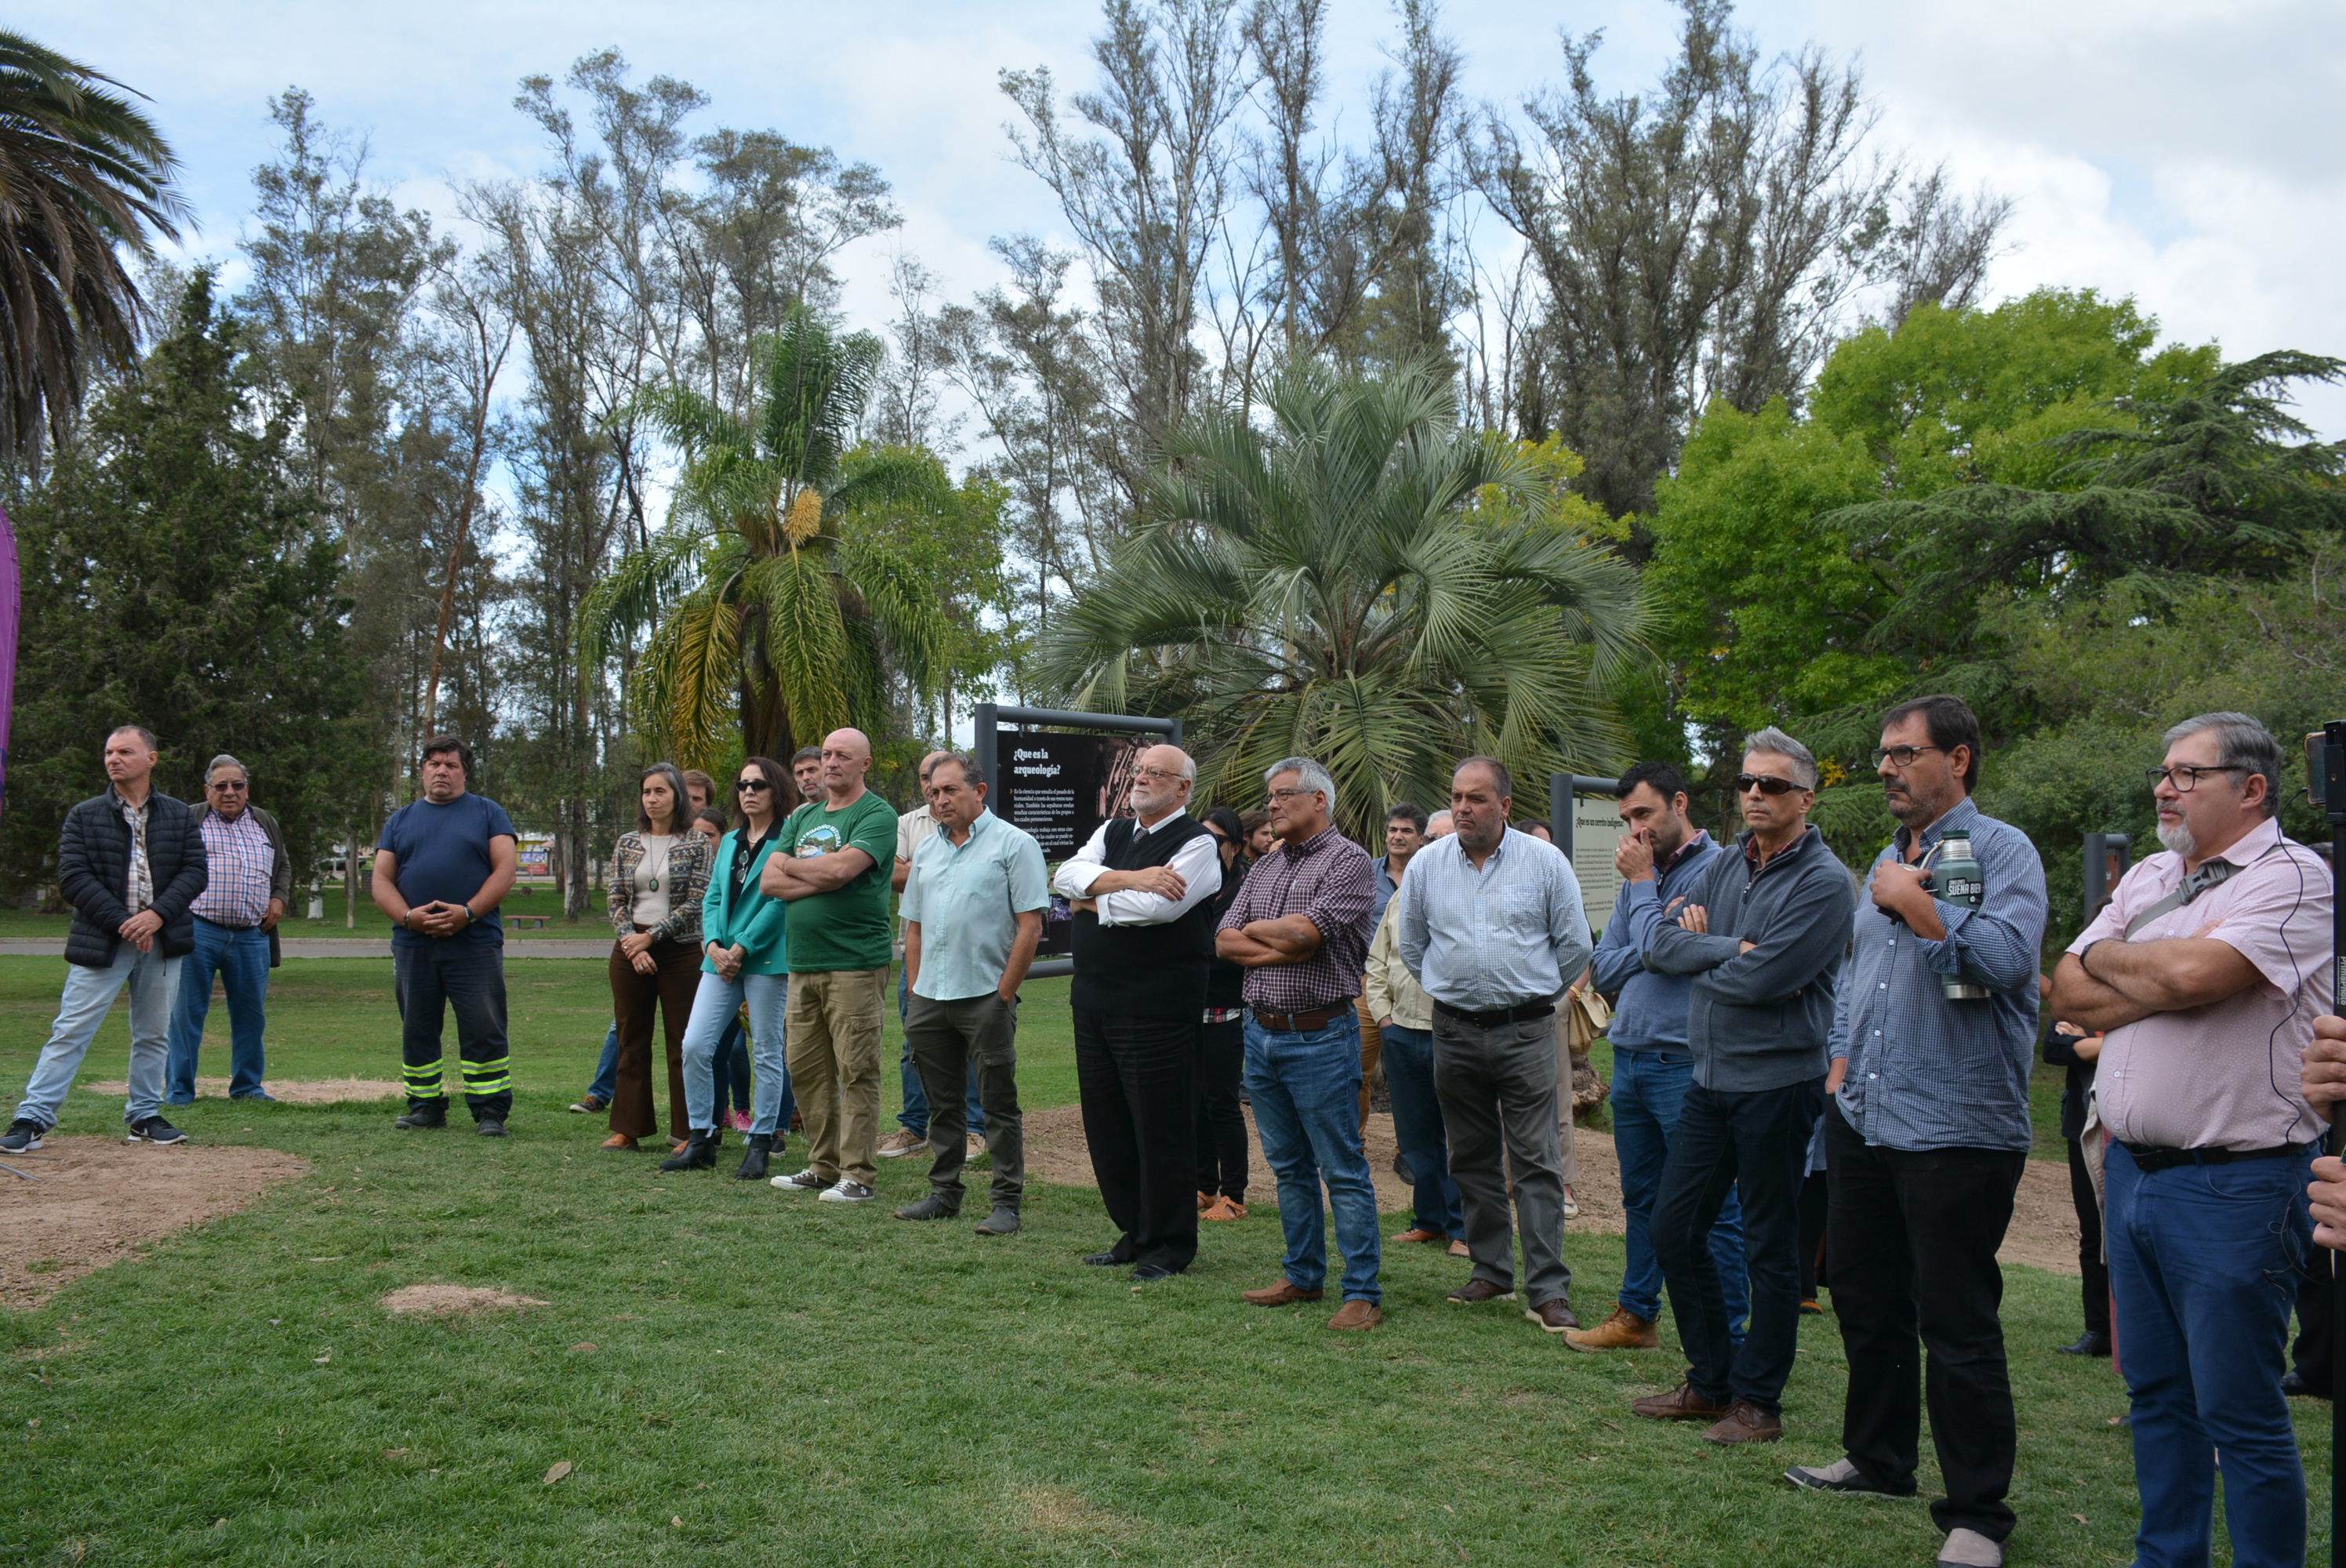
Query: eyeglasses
{"x": 2186, "y": 777}
{"x": 1220, "y": 838}
{"x": 1903, "y": 755}
{"x": 1766, "y": 783}
{"x": 1162, "y": 775}
{"x": 1291, "y": 794}
{"x": 228, "y": 786}
{"x": 751, "y": 786}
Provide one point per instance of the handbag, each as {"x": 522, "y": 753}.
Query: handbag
{"x": 1585, "y": 1018}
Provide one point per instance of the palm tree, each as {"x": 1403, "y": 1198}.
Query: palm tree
{"x": 84, "y": 177}
{"x": 767, "y": 607}
{"x": 1364, "y": 583}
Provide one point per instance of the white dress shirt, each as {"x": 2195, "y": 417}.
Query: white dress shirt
{"x": 1199, "y": 862}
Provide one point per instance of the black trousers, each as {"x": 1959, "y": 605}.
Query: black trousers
{"x": 430, "y": 980}
{"x": 1758, "y": 1143}
{"x": 1139, "y": 1082}
{"x": 1814, "y": 1191}
{"x": 2094, "y": 1275}
{"x": 1222, "y": 1124}
{"x": 1913, "y": 1234}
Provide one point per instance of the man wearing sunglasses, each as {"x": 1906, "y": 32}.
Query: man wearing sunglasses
{"x": 236, "y": 916}
{"x": 1927, "y": 1135}
{"x": 2207, "y": 969}
{"x": 1763, "y": 935}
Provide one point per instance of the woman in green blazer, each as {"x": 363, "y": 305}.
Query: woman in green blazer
{"x": 742, "y": 960}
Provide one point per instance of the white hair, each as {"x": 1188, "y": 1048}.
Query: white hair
{"x": 1776, "y": 743}
{"x": 1312, "y": 775}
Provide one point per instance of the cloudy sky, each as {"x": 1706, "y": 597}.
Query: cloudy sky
{"x": 2187, "y": 152}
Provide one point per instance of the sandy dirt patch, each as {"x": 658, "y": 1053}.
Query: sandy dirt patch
{"x": 99, "y": 1199}
{"x": 298, "y": 1092}
{"x": 455, "y": 1301}
{"x": 2044, "y": 1231}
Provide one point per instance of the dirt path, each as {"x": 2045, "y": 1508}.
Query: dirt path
{"x": 303, "y": 1091}
{"x": 2044, "y": 1232}
{"x": 98, "y": 1199}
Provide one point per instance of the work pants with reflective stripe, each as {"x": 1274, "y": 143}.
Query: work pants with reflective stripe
{"x": 446, "y": 974}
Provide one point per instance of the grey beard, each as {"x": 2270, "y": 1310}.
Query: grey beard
{"x": 2179, "y": 839}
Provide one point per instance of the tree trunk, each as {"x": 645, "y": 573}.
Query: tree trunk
{"x": 349, "y": 875}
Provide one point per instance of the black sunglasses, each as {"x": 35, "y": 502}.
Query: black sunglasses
{"x": 751, "y": 786}
{"x": 1766, "y": 783}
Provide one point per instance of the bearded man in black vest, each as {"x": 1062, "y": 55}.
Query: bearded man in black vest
{"x": 1142, "y": 891}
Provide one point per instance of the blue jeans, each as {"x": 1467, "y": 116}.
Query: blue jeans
{"x": 606, "y": 1070}
{"x": 715, "y": 1007}
{"x": 729, "y": 1069}
{"x": 240, "y": 958}
{"x": 2203, "y": 1263}
{"x": 1306, "y": 1088}
{"x": 1648, "y": 1087}
{"x": 1417, "y": 1128}
{"x": 90, "y": 993}
{"x": 914, "y": 1117}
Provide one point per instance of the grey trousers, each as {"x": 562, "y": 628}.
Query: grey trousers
{"x": 1498, "y": 1093}
{"x": 948, "y": 1040}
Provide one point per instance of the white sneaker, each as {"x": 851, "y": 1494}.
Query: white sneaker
{"x": 847, "y": 1192}
{"x": 805, "y": 1181}
{"x": 1970, "y": 1549}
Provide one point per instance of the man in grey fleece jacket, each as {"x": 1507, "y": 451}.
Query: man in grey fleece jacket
{"x": 1763, "y": 935}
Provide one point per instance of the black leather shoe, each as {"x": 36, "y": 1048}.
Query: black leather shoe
{"x": 2094, "y": 1345}
{"x": 2294, "y": 1384}
{"x": 1148, "y": 1271}
{"x": 699, "y": 1153}
{"x": 1106, "y": 1260}
{"x": 754, "y": 1162}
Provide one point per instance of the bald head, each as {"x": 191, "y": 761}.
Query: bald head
{"x": 1440, "y": 825}
{"x": 1161, "y": 783}
{"x": 929, "y": 763}
{"x": 846, "y": 759}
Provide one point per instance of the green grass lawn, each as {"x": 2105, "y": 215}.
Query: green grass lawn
{"x": 771, "y": 1378}
{"x": 371, "y": 921}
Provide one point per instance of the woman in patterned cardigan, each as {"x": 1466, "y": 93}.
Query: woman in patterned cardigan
{"x": 659, "y": 872}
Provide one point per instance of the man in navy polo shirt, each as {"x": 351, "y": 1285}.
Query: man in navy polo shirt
{"x": 442, "y": 867}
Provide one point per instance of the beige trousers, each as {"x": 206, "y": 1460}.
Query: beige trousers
{"x": 831, "y": 1031}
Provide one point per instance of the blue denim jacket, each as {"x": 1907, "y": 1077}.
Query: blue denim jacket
{"x": 1650, "y": 1012}
{"x": 1925, "y": 1072}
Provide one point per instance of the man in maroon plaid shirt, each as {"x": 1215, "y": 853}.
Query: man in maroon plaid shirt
{"x": 1300, "y": 930}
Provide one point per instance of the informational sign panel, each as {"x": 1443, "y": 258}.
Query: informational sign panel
{"x": 1596, "y": 832}
{"x": 1061, "y": 788}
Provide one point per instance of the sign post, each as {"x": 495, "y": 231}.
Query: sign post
{"x": 2107, "y": 856}
{"x": 1587, "y": 828}
{"x": 1060, "y": 787}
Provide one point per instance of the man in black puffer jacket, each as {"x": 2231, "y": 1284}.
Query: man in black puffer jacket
{"x": 130, "y": 862}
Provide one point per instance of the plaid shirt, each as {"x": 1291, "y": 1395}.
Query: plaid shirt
{"x": 140, "y": 892}
{"x": 241, "y": 861}
{"x": 1331, "y": 880}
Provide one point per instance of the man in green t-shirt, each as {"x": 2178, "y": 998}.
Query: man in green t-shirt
{"x": 832, "y": 868}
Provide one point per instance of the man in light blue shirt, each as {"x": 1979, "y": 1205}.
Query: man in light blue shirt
{"x": 1490, "y": 924}
{"x": 973, "y": 912}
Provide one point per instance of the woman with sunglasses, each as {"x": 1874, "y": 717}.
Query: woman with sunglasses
{"x": 1221, "y": 1046}
{"x": 659, "y": 870}
{"x": 742, "y": 960}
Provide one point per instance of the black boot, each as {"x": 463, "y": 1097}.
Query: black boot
{"x": 753, "y": 1163}
{"x": 699, "y": 1153}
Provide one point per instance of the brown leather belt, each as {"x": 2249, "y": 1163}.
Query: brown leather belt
{"x": 1302, "y": 1023}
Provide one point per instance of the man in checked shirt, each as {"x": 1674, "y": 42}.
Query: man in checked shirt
{"x": 1300, "y": 930}
{"x": 1926, "y": 1137}
{"x": 236, "y": 916}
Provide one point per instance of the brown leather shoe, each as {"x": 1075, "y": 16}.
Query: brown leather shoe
{"x": 1459, "y": 1250}
{"x": 1284, "y": 1294}
{"x": 1355, "y": 1315}
{"x": 1624, "y": 1331}
{"x": 1474, "y": 1292}
{"x": 620, "y": 1141}
{"x": 1413, "y": 1236}
{"x": 1554, "y": 1314}
{"x": 1746, "y": 1423}
{"x": 1680, "y": 1404}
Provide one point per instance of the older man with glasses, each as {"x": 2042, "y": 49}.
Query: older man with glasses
{"x": 2207, "y": 969}
{"x": 236, "y": 916}
{"x": 1142, "y": 888}
{"x": 1763, "y": 935}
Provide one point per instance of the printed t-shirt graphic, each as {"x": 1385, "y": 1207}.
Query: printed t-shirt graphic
{"x": 847, "y": 928}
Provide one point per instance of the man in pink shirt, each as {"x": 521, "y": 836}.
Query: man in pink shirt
{"x": 2207, "y": 969}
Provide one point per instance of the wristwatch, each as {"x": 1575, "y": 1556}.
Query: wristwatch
{"x": 469, "y": 916}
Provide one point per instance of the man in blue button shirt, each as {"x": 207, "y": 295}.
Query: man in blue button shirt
{"x": 1927, "y": 1136}
{"x": 973, "y": 912}
{"x": 1490, "y": 924}
{"x": 1662, "y": 858}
